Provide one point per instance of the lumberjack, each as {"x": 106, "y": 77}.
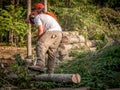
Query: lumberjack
{"x": 49, "y": 38}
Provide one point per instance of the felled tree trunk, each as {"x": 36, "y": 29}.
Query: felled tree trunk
{"x": 66, "y": 78}
{"x": 58, "y": 77}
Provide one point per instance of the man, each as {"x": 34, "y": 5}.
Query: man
{"x": 49, "y": 38}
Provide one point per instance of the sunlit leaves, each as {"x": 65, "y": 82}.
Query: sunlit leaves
{"x": 12, "y": 19}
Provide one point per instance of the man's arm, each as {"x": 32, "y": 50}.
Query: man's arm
{"x": 40, "y": 31}
{"x": 39, "y": 26}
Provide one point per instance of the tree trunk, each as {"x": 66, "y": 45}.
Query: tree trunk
{"x": 45, "y": 3}
{"x": 67, "y": 3}
{"x": 11, "y": 37}
{"x": 18, "y": 1}
{"x": 65, "y": 78}
{"x": 12, "y": 2}
{"x": 29, "y": 47}
{"x": 11, "y": 31}
{"x": 1, "y": 2}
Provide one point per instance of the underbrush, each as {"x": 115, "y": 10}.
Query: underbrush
{"x": 99, "y": 70}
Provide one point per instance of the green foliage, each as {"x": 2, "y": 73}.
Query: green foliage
{"x": 83, "y": 18}
{"x": 98, "y": 71}
{"x": 108, "y": 3}
{"x": 21, "y": 71}
{"x": 90, "y": 21}
{"x": 78, "y": 54}
{"x": 2, "y": 78}
{"x": 12, "y": 20}
{"x": 111, "y": 22}
{"x": 101, "y": 71}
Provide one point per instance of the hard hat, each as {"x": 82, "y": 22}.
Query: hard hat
{"x": 39, "y": 6}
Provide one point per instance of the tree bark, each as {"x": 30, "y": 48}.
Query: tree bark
{"x": 18, "y": 2}
{"x": 65, "y": 78}
{"x": 11, "y": 37}
{"x": 12, "y": 2}
{"x": 1, "y": 2}
{"x": 29, "y": 46}
{"x": 45, "y": 3}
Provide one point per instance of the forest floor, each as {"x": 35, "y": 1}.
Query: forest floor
{"x": 7, "y": 57}
{"x": 7, "y": 53}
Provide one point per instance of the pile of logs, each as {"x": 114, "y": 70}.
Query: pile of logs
{"x": 71, "y": 40}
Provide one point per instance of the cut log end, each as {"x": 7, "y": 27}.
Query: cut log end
{"x": 76, "y": 78}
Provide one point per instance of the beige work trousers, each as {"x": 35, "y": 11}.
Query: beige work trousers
{"x": 48, "y": 44}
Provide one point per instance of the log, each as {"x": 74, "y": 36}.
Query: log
{"x": 75, "y": 78}
{"x": 6, "y": 62}
{"x": 80, "y": 88}
{"x": 65, "y": 78}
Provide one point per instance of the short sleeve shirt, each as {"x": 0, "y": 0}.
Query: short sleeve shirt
{"x": 48, "y": 22}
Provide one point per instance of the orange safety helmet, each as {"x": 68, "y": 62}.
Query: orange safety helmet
{"x": 39, "y": 6}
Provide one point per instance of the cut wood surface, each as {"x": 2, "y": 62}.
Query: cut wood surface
{"x": 66, "y": 78}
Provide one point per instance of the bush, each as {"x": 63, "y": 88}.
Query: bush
{"x": 99, "y": 71}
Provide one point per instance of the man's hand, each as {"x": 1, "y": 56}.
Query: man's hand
{"x": 38, "y": 37}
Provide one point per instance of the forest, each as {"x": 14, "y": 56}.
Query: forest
{"x": 97, "y": 20}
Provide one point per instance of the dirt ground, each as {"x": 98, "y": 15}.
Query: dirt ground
{"x": 7, "y": 53}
